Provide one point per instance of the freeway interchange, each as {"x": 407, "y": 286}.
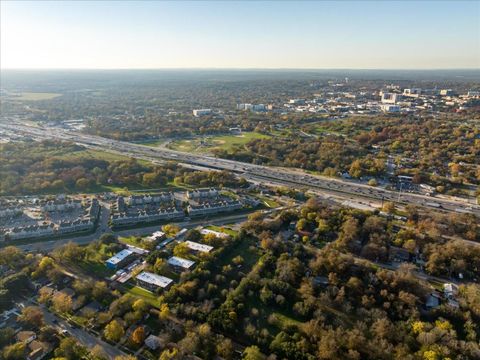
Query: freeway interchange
{"x": 258, "y": 173}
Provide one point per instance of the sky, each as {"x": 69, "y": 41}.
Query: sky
{"x": 240, "y": 34}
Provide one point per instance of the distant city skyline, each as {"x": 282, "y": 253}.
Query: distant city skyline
{"x": 248, "y": 34}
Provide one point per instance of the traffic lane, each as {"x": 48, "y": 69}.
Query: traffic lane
{"x": 81, "y": 335}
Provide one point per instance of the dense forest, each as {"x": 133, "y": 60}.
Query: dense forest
{"x": 443, "y": 153}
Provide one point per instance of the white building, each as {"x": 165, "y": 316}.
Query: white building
{"x": 180, "y": 263}
{"x": 390, "y": 108}
{"x": 120, "y": 259}
{"x": 199, "y": 247}
{"x": 201, "y": 112}
{"x": 152, "y": 281}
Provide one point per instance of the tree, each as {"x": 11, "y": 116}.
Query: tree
{"x": 160, "y": 266}
{"x": 164, "y": 312}
{"x": 6, "y": 336}
{"x": 70, "y": 349}
{"x": 138, "y": 336}
{"x": 389, "y": 207}
{"x": 225, "y": 348}
{"x": 140, "y": 305}
{"x": 15, "y": 351}
{"x": 100, "y": 290}
{"x": 82, "y": 184}
{"x": 107, "y": 238}
{"x": 98, "y": 353}
{"x": 32, "y": 316}
{"x": 181, "y": 250}
{"x": 62, "y": 302}
{"x": 170, "y": 354}
{"x": 114, "y": 331}
{"x": 171, "y": 229}
{"x": 45, "y": 295}
{"x": 252, "y": 353}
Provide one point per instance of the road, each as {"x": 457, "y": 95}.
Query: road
{"x": 81, "y": 335}
{"x": 276, "y": 175}
{"x": 47, "y": 246}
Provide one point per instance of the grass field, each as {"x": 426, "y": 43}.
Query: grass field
{"x": 146, "y": 295}
{"x": 35, "y": 96}
{"x": 222, "y": 229}
{"x": 210, "y": 143}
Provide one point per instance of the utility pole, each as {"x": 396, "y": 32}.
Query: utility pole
{"x": 400, "y": 191}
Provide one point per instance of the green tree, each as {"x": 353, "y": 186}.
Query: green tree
{"x": 114, "y": 331}
{"x": 15, "y": 351}
{"x": 252, "y": 353}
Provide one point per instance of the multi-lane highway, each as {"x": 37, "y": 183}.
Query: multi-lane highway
{"x": 275, "y": 175}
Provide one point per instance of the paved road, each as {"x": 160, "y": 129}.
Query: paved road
{"x": 83, "y": 240}
{"x": 279, "y": 176}
{"x": 81, "y": 335}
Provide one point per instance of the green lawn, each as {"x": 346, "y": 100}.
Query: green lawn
{"x": 95, "y": 264}
{"x": 130, "y": 240}
{"x": 36, "y": 96}
{"x": 210, "y": 143}
{"x": 146, "y": 295}
{"x": 269, "y": 202}
{"x": 222, "y": 229}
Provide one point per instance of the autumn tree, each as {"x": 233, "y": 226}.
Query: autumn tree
{"x": 114, "y": 331}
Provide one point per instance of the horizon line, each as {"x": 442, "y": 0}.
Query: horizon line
{"x": 238, "y": 68}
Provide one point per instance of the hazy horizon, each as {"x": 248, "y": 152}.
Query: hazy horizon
{"x": 366, "y": 35}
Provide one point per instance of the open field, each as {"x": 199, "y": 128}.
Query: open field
{"x": 210, "y": 143}
{"x": 146, "y": 295}
{"x": 34, "y": 96}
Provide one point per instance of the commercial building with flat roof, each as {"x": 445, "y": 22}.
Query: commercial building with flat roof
{"x": 118, "y": 260}
{"x": 180, "y": 263}
{"x": 199, "y": 247}
{"x": 152, "y": 281}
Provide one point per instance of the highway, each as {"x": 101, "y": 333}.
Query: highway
{"x": 275, "y": 175}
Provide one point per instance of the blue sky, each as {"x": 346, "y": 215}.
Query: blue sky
{"x": 242, "y": 34}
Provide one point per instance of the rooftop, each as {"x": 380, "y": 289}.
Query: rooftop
{"x": 180, "y": 262}
{"x": 158, "y": 280}
{"x": 115, "y": 259}
{"x": 198, "y": 247}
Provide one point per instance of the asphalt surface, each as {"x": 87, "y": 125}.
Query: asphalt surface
{"x": 279, "y": 176}
{"x": 46, "y": 246}
{"x": 81, "y": 335}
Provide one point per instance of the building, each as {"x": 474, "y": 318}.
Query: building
{"x": 390, "y": 98}
{"x": 152, "y": 281}
{"x": 199, "y": 247}
{"x": 202, "y": 112}
{"x": 218, "y": 234}
{"x": 202, "y": 194}
{"x": 120, "y": 259}
{"x": 213, "y": 207}
{"x": 143, "y": 216}
{"x": 180, "y": 264}
{"x": 414, "y": 92}
{"x": 149, "y": 199}
{"x": 157, "y": 236}
{"x": 390, "y": 108}
{"x": 447, "y": 92}
{"x": 25, "y": 336}
{"x": 154, "y": 342}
